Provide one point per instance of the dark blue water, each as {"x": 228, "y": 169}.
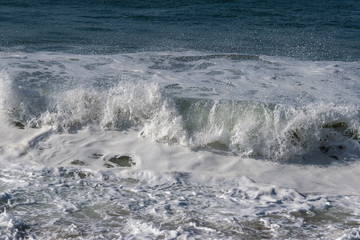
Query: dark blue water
{"x": 314, "y": 30}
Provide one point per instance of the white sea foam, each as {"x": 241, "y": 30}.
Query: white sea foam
{"x": 189, "y": 145}
{"x": 81, "y": 203}
{"x": 275, "y": 131}
{"x": 10, "y": 227}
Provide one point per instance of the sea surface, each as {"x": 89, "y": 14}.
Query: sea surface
{"x": 179, "y": 119}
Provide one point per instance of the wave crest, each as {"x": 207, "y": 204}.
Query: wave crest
{"x": 273, "y": 131}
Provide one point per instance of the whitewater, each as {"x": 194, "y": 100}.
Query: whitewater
{"x": 179, "y": 119}
{"x": 183, "y": 145}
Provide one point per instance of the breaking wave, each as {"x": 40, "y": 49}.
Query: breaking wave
{"x": 273, "y": 131}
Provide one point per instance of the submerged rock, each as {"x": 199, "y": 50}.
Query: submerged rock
{"x": 19, "y": 125}
{"x": 107, "y": 165}
{"x": 78, "y": 162}
{"x": 122, "y": 161}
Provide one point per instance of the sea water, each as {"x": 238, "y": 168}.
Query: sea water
{"x": 179, "y": 119}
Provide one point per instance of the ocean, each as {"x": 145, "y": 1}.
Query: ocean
{"x": 179, "y": 119}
